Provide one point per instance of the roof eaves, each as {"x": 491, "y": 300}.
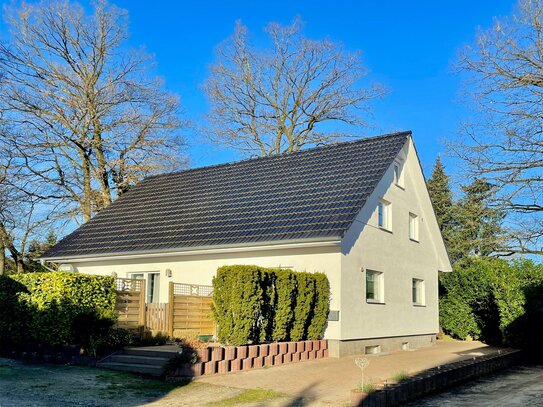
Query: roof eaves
{"x": 252, "y": 246}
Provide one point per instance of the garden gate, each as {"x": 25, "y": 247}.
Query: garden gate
{"x": 187, "y": 314}
{"x": 190, "y": 310}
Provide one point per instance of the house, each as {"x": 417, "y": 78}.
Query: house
{"x": 358, "y": 211}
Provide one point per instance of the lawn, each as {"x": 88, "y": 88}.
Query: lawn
{"x": 45, "y": 385}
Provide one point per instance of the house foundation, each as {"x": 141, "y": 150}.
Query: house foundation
{"x": 340, "y": 348}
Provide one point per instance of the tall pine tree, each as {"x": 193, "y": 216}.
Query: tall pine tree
{"x": 442, "y": 200}
{"x": 477, "y": 224}
{"x": 441, "y": 195}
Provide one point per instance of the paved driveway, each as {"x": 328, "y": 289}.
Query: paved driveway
{"x": 330, "y": 380}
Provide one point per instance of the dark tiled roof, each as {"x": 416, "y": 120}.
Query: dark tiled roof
{"x": 314, "y": 193}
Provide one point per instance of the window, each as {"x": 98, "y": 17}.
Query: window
{"x": 418, "y": 291}
{"x": 152, "y": 284}
{"x": 398, "y": 173}
{"x": 413, "y": 227}
{"x": 384, "y": 218}
{"x": 374, "y": 287}
{"x": 372, "y": 350}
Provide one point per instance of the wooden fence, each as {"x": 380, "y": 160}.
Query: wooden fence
{"x": 157, "y": 317}
{"x": 130, "y": 305}
{"x": 190, "y": 310}
{"x": 188, "y": 313}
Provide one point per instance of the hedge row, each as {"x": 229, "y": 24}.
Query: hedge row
{"x": 254, "y": 304}
{"x": 56, "y": 308}
{"x": 496, "y": 301}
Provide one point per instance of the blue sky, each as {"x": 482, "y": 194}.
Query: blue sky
{"x": 409, "y": 46}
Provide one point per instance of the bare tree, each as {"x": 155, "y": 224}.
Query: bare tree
{"x": 505, "y": 144}
{"x": 24, "y": 213}
{"x": 89, "y": 118}
{"x": 269, "y": 101}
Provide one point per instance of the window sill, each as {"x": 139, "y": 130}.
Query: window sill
{"x": 376, "y": 302}
{"x": 414, "y": 240}
{"x": 385, "y": 229}
{"x": 400, "y": 186}
{"x": 419, "y": 305}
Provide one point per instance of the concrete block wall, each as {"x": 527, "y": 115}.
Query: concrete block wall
{"x": 219, "y": 360}
{"x": 436, "y": 380}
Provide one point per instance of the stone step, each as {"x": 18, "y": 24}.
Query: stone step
{"x": 139, "y": 360}
{"x": 155, "y": 371}
{"x": 149, "y": 353}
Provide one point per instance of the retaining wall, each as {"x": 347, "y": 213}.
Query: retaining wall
{"x": 437, "y": 379}
{"x": 213, "y": 360}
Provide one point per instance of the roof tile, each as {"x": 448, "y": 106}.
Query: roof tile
{"x": 309, "y": 194}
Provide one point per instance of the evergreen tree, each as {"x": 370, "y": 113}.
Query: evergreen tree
{"x": 477, "y": 225}
{"x": 441, "y": 195}
{"x": 442, "y": 200}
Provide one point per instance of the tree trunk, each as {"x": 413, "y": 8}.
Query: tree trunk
{"x": 87, "y": 190}
{"x": 103, "y": 175}
{"x": 2, "y": 257}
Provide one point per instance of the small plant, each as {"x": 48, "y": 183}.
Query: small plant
{"x": 400, "y": 376}
{"x": 366, "y": 387}
{"x": 150, "y": 339}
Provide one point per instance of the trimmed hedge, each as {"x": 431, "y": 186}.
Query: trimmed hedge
{"x": 13, "y": 316}
{"x": 496, "y": 301}
{"x": 253, "y": 304}
{"x": 58, "y": 308}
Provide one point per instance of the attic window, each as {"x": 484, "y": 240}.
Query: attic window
{"x": 398, "y": 173}
{"x": 384, "y": 218}
{"x": 413, "y": 227}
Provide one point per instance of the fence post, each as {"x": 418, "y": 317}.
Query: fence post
{"x": 143, "y": 298}
{"x": 170, "y": 310}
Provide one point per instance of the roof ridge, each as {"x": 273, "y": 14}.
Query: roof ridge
{"x": 276, "y": 156}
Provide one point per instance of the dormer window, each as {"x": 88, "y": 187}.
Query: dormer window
{"x": 398, "y": 173}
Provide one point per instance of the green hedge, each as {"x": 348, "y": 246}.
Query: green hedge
{"x": 253, "y": 304}
{"x": 13, "y": 316}
{"x": 496, "y": 301}
{"x": 59, "y": 308}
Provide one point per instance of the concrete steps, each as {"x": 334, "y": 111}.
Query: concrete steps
{"x": 148, "y": 361}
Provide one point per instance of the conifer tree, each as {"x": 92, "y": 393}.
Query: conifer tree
{"x": 477, "y": 224}
{"x": 441, "y": 196}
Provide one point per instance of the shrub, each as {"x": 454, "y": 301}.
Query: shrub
{"x": 321, "y": 307}
{"x": 13, "y": 321}
{"x": 305, "y": 295}
{"x": 496, "y": 301}
{"x": 285, "y": 285}
{"x": 63, "y": 308}
{"x": 254, "y": 304}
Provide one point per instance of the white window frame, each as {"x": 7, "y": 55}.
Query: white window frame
{"x": 152, "y": 294}
{"x": 398, "y": 168}
{"x": 378, "y": 287}
{"x": 384, "y": 215}
{"x": 413, "y": 227}
{"x": 418, "y": 292}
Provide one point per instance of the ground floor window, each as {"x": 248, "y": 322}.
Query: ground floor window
{"x": 374, "y": 286}
{"x": 418, "y": 291}
{"x": 152, "y": 284}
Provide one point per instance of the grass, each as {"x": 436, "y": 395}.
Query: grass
{"x": 400, "y": 376}
{"x": 247, "y": 396}
{"x": 117, "y": 384}
{"x": 367, "y": 388}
